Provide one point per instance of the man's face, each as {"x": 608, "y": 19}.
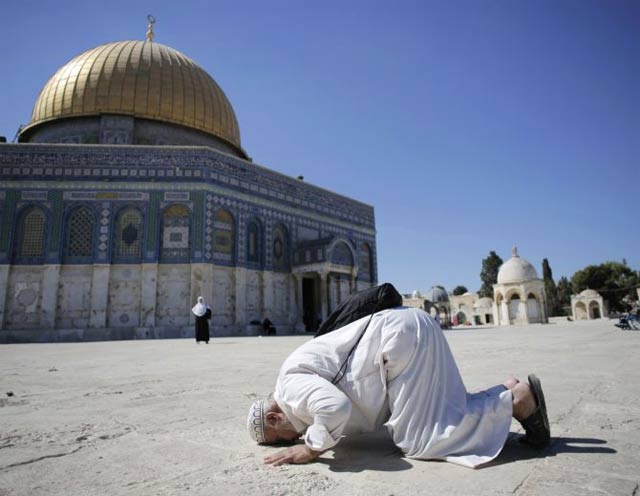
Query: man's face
{"x": 279, "y": 429}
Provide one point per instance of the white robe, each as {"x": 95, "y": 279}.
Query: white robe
{"x": 401, "y": 375}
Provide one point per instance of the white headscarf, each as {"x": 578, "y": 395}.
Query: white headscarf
{"x": 200, "y": 308}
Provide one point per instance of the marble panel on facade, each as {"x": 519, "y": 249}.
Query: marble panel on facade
{"x": 173, "y": 295}
{"x": 125, "y": 291}
{"x": 280, "y": 289}
{"x": 73, "y": 307}
{"x": 223, "y": 304}
{"x": 253, "y": 295}
{"x": 24, "y": 297}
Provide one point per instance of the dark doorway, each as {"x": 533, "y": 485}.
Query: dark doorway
{"x": 596, "y": 313}
{"x": 310, "y": 304}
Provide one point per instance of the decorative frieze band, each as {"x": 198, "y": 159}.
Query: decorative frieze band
{"x": 176, "y": 196}
{"x": 40, "y": 161}
{"x": 105, "y": 195}
{"x": 33, "y": 195}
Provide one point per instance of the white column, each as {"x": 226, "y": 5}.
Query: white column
{"x": 505, "y": 313}
{"x": 496, "y": 316}
{"x": 99, "y": 295}
{"x": 523, "y": 311}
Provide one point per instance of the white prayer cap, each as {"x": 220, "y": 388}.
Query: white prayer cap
{"x": 199, "y": 308}
{"x": 255, "y": 421}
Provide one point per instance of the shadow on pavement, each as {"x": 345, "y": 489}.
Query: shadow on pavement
{"x": 514, "y": 450}
{"x": 374, "y": 451}
{"x": 377, "y": 452}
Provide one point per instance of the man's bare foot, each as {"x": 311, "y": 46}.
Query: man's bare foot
{"x": 524, "y": 403}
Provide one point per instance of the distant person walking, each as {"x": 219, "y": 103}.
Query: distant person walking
{"x": 203, "y": 314}
{"x": 268, "y": 329}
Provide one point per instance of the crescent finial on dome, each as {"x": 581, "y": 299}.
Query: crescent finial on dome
{"x": 514, "y": 251}
{"x": 152, "y": 21}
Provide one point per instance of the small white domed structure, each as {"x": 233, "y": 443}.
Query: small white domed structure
{"x": 516, "y": 270}
{"x": 588, "y": 305}
{"x": 437, "y": 294}
{"x": 519, "y": 296}
{"x": 589, "y": 293}
{"x": 416, "y": 294}
{"x": 436, "y": 302}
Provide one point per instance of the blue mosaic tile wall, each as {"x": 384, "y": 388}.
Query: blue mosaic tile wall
{"x": 176, "y": 165}
{"x": 110, "y": 178}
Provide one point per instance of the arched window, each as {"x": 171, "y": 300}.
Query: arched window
{"x": 280, "y": 249}
{"x": 532, "y": 307}
{"x": 254, "y": 243}
{"x": 175, "y": 234}
{"x": 31, "y": 234}
{"x": 341, "y": 254}
{"x": 128, "y": 238}
{"x": 223, "y": 236}
{"x": 514, "y": 307}
{"x": 79, "y": 235}
{"x": 365, "y": 266}
{"x": 594, "y": 310}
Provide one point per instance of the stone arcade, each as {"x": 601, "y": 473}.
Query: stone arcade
{"x": 129, "y": 194}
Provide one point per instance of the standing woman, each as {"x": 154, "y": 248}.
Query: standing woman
{"x": 203, "y": 313}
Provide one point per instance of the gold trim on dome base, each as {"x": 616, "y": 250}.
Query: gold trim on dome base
{"x": 139, "y": 78}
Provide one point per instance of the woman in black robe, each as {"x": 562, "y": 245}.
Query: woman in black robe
{"x": 203, "y": 314}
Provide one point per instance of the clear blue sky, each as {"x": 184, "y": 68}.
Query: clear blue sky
{"x": 470, "y": 126}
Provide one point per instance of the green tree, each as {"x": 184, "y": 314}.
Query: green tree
{"x": 489, "y": 274}
{"x": 553, "y": 309}
{"x": 459, "y": 290}
{"x": 612, "y": 280}
{"x": 564, "y": 290}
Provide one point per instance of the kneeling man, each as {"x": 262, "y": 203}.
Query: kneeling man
{"x": 402, "y": 375}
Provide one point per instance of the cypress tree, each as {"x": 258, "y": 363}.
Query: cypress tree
{"x": 553, "y": 308}
{"x": 489, "y": 274}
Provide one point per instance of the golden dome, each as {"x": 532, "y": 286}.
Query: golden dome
{"x": 142, "y": 79}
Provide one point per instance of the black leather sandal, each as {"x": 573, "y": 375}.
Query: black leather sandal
{"x": 536, "y": 425}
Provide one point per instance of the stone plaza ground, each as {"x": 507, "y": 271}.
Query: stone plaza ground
{"x": 167, "y": 417}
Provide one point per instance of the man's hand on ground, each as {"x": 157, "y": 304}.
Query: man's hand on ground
{"x": 300, "y": 453}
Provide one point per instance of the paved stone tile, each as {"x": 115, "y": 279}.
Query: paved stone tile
{"x": 167, "y": 417}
